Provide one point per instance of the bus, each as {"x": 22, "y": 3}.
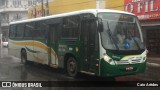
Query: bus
{"x": 100, "y": 42}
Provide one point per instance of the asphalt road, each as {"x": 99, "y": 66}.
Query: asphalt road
{"x": 11, "y": 69}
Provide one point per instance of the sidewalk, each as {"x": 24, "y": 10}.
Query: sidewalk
{"x": 3, "y": 52}
{"x": 153, "y": 58}
{"x": 153, "y": 61}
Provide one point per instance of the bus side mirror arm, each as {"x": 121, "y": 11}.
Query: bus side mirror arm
{"x": 100, "y": 25}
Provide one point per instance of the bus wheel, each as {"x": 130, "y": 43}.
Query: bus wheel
{"x": 23, "y": 57}
{"x": 72, "y": 67}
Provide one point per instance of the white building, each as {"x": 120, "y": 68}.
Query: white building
{"x": 13, "y": 10}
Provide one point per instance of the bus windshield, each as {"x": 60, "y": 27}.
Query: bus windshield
{"x": 121, "y": 32}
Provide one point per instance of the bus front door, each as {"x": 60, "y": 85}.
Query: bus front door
{"x": 88, "y": 31}
{"x": 52, "y": 43}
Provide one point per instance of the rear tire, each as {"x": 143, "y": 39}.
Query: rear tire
{"x": 23, "y": 57}
{"x": 72, "y": 68}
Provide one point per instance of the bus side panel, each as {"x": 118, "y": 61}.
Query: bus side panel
{"x": 40, "y": 54}
{"x": 12, "y": 49}
{"x": 54, "y": 27}
{"x": 29, "y": 50}
{"x": 15, "y": 47}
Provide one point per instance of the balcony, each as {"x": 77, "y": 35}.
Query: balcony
{"x": 10, "y": 9}
{"x": 4, "y": 24}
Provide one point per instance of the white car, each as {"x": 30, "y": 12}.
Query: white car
{"x": 5, "y": 44}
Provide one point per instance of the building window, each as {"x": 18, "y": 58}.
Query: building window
{"x": 16, "y": 3}
{"x": 30, "y": 2}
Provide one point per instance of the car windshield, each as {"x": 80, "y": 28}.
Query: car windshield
{"x": 121, "y": 32}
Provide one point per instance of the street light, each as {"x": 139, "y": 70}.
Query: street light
{"x": 42, "y": 9}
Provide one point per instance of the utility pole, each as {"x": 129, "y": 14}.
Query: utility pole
{"x": 0, "y": 37}
{"x": 100, "y": 4}
{"x": 35, "y": 11}
{"x": 47, "y": 8}
{"x": 42, "y": 9}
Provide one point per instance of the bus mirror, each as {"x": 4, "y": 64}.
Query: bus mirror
{"x": 100, "y": 25}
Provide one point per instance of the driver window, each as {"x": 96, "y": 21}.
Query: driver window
{"x": 120, "y": 33}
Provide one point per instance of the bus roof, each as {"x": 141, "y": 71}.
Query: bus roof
{"x": 93, "y": 11}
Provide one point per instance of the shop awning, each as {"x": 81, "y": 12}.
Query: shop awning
{"x": 150, "y": 23}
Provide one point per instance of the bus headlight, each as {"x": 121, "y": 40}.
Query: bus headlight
{"x": 108, "y": 59}
{"x": 144, "y": 55}
{"x": 144, "y": 59}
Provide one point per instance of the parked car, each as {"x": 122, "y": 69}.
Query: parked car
{"x": 5, "y": 44}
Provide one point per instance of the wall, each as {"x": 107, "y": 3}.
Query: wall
{"x": 16, "y": 3}
{"x": 19, "y": 15}
{"x": 62, "y": 6}
{"x": 115, "y": 4}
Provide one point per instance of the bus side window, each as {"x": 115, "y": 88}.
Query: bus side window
{"x": 20, "y": 31}
{"x": 71, "y": 27}
{"x": 28, "y": 32}
{"x": 12, "y": 31}
{"x": 53, "y": 33}
{"x": 40, "y": 30}
{"x": 58, "y": 23}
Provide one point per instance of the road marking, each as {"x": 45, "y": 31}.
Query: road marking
{"x": 153, "y": 64}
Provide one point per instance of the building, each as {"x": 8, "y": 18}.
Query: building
{"x": 148, "y": 12}
{"x": 61, "y": 6}
{"x": 115, "y": 4}
{"x": 12, "y": 10}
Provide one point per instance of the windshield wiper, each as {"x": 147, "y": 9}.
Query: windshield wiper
{"x": 111, "y": 36}
{"x": 136, "y": 43}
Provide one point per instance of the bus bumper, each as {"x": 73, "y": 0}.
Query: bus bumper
{"x": 120, "y": 70}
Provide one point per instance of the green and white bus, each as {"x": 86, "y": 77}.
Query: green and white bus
{"x": 99, "y": 42}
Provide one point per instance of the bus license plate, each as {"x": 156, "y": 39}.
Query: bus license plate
{"x": 129, "y": 68}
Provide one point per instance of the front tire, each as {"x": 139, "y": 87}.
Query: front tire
{"x": 72, "y": 67}
{"x": 23, "y": 57}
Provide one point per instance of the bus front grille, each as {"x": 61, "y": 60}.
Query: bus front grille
{"x": 134, "y": 61}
